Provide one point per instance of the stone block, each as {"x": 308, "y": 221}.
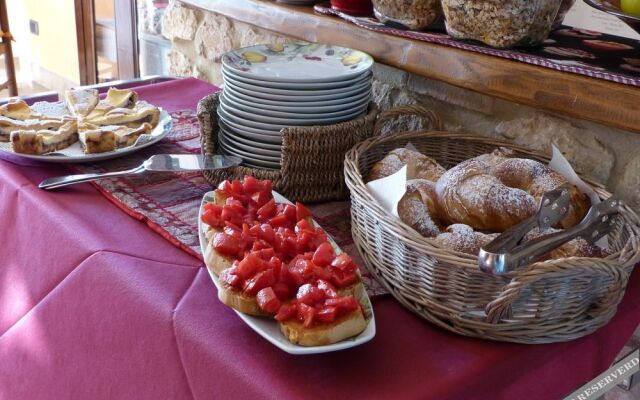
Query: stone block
{"x": 179, "y": 22}
{"x": 214, "y": 37}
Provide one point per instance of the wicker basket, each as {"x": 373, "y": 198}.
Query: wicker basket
{"x": 548, "y": 301}
{"x": 312, "y": 157}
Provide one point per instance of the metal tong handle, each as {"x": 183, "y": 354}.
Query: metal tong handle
{"x": 554, "y": 205}
{"x": 597, "y": 223}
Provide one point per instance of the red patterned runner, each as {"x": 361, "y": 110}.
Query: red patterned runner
{"x": 168, "y": 202}
{"x": 577, "y": 51}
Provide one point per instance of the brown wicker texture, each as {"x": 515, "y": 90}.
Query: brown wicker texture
{"x": 312, "y": 157}
{"x": 548, "y": 301}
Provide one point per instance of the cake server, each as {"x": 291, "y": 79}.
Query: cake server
{"x": 158, "y": 162}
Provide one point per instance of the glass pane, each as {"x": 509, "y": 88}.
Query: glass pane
{"x": 106, "y": 49}
{"x": 152, "y": 46}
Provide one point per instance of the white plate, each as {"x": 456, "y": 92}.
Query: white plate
{"x": 229, "y": 73}
{"x": 253, "y": 148}
{"x": 250, "y": 117}
{"x": 272, "y": 139}
{"x": 268, "y": 328}
{"x": 255, "y": 142}
{"x": 75, "y": 154}
{"x": 233, "y": 120}
{"x": 297, "y": 93}
{"x": 297, "y": 62}
{"x": 302, "y": 109}
{"x": 248, "y": 154}
{"x": 258, "y": 110}
{"x": 288, "y": 102}
{"x": 250, "y": 161}
{"x": 361, "y": 89}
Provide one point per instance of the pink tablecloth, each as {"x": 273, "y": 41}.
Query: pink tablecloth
{"x": 94, "y": 304}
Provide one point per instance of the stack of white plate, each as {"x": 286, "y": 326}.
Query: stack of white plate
{"x": 270, "y": 87}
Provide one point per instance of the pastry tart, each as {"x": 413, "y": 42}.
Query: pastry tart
{"x": 98, "y": 139}
{"x": 44, "y": 140}
{"x": 19, "y": 110}
{"x": 132, "y": 117}
{"x": 116, "y": 98}
{"x": 8, "y": 125}
{"x": 81, "y": 101}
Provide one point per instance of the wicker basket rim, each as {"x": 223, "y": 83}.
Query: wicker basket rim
{"x": 413, "y": 239}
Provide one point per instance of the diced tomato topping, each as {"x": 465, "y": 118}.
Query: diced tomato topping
{"x": 302, "y": 212}
{"x": 328, "y": 288}
{"x": 305, "y": 241}
{"x": 275, "y": 264}
{"x": 321, "y": 273}
{"x": 259, "y": 281}
{"x": 260, "y": 244}
{"x": 250, "y": 185}
{"x": 248, "y": 266}
{"x": 320, "y": 238}
{"x": 211, "y": 214}
{"x": 304, "y": 225}
{"x": 268, "y": 210}
{"x": 230, "y": 278}
{"x": 281, "y": 290}
{"x": 343, "y": 262}
{"x": 326, "y": 314}
{"x": 267, "y": 300}
{"x": 323, "y": 255}
{"x": 226, "y": 244}
{"x": 261, "y": 198}
{"x": 266, "y": 253}
{"x": 228, "y": 215}
{"x": 237, "y": 188}
{"x": 310, "y": 294}
{"x": 287, "y": 311}
{"x": 290, "y": 213}
{"x": 345, "y": 304}
{"x": 306, "y": 314}
{"x": 267, "y": 186}
{"x": 342, "y": 279}
{"x": 279, "y": 220}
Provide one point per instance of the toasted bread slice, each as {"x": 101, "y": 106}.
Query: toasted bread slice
{"x": 323, "y": 334}
{"x": 215, "y": 261}
{"x": 240, "y": 301}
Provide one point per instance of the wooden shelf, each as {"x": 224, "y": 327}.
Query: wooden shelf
{"x": 578, "y": 96}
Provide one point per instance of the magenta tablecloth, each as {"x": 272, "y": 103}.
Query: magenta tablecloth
{"x": 94, "y": 304}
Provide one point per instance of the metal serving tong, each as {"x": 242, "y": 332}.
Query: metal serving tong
{"x": 505, "y": 253}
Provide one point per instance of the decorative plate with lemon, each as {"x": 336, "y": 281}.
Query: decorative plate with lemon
{"x": 297, "y": 62}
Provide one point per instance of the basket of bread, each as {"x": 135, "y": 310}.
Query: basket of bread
{"x": 487, "y": 240}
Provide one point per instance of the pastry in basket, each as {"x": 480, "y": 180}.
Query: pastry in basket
{"x": 577, "y": 247}
{"x": 132, "y": 117}
{"x": 496, "y": 196}
{"x": 419, "y": 166}
{"x": 81, "y": 102}
{"x": 418, "y": 208}
{"x": 272, "y": 262}
{"x": 44, "y": 140}
{"x": 18, "y": 109}
{"x": 98, "y": 139}
{"x": 462, "y": 238}
{"x": 8, "y": 125}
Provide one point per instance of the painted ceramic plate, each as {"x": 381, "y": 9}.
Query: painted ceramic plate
{"x": 268, "y": 328}
{"x": 297, "y": 62}
{"x": 298, "y": 102}
{"x": 295, "y": 107}
{"x": 251, "y": 117}
{"x": 227, "y": 73}
{"x": 295, "y": 95}
{"x": 74, "y": 153}
{"x": 258, "y": 110}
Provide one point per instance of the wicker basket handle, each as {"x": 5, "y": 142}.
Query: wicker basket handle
{"x": 410, "y": 109}
{"x": 500, "y": 308}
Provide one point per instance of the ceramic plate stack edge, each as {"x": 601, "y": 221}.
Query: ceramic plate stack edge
{"x": 271, "y": 87}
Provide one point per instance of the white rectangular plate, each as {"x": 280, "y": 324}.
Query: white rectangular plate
{"x": 268, "y": 327}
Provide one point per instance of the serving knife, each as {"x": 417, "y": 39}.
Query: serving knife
{"x": 158, "y": 162}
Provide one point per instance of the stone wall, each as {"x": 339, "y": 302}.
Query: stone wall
{"x": 607, "y": 155}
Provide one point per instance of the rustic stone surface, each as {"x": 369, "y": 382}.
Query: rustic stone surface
{"x": 629, "y": 184}
{"x": 214, "y": 37}
{"x": 179, "y": 22}
{"x": 584, "y": 152}
{"x": 179, "y": 64}
{"x": 451, "y": 94}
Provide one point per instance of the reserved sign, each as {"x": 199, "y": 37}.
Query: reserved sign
{"x": 583, "y": 16}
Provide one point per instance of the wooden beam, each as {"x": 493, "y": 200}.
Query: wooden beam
{"x": 575, "y": 95}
